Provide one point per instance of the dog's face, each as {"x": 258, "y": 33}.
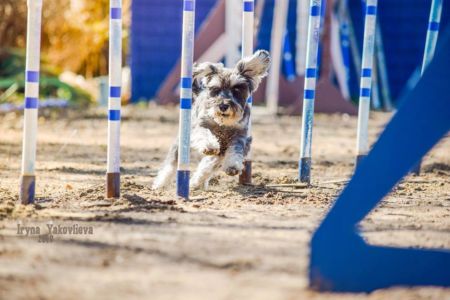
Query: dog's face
{"x": 222, "y": 93}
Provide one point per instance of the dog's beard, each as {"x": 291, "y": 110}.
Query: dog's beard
{"x": 231, "y": 117}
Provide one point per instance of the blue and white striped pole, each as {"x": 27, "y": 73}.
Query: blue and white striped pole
{"x": 28, "y": 177}
{"x": 247, "y": 50}
{"x": 366, "y": 79}
{"x": 187, "y": 57}
{"x": 375, "y": 93}
{"x": 430, "y": 45}
{"x": 309, "y": 90}
{"x": 114, "y": 105}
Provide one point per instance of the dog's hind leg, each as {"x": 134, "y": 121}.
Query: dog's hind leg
{"x": 168, "y": 169}
{"x": 206, "y": 168}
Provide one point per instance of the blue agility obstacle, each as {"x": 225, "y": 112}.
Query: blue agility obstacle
{"x": 340, "y": 259}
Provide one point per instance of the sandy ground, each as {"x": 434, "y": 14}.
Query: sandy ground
{"x": 227, "y": 243}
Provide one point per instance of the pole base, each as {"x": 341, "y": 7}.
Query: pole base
{"x": 183, "y": 184}
{"x": 359, "y": 159}
{"x": 245, "y": 178}
{"x": 304, "y": 170}
{"x": 416, "y": 169}
{"x": 112, "y": 185}
{"x": 27, "y": 189}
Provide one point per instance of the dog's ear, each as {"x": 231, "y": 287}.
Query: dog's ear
{"x": 203, "y": 70}
{"x": 254, "y": 68}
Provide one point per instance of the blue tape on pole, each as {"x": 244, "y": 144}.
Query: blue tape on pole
{"x": 114, "y": 115}
{"x": 115, "y": 91}
{"x": 188, "y": 5}
{"x": 433, "y": 26}
{"x": 310, "y": 73}
{"x": 366, "y": 72}
{"x": 186, "y": 83}
{"x": 248, "y": 6}
{"x": 185, "y": 103}
{"x": 31, "y": 102}
{"x": 32, "y": 76}
{"x": 183, "y": 183}
{"x": 309, "y": 94}
{"x": 250, "y": 100}
{"x": 365, "y": 92}
{"x": 315, "y": 11}
{"x": 116, "y": 13}
{"x": 371, "y": 10}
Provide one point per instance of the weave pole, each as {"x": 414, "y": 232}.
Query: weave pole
{"x": 187, "y": 57}
{"x": 115, "y": 83}
{"x": 28, "y": 177}
{"x": 276, "y": 49}
{"x": 366, "y": 79}
{"x": 247, "y": 49}
{"x": 383, "y": 70}
{"x": 309, "y": 90}
{"x": 430, "y": 46}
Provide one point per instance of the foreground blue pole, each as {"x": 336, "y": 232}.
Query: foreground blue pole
{"x": 366, "y": 79}
{"x": 28, "y": 177}
{"x": 309, "y": 90}
{"x": 187, "y": 57}
{"x": 430, "y": 46}
{"x": 114, "y": 101}
{"x": 353, "y": 265}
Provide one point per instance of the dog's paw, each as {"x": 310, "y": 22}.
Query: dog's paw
{"x": 157, "y": 185}
{"x": 196, "y": 185}
{"x": 211, "y": 151}
{"x": 211, "y": 148}
{"x": 233, "y": 171}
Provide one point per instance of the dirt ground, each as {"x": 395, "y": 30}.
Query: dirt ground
{"x": 230, "y": 242}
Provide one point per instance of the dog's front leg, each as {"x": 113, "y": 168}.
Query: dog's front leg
{"x": 233, "y": 161}
{"x": 204, "y": 141}
{"x": 206, "y": 168}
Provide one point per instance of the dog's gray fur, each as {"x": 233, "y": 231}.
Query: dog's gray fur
{"x": 220, "y": 118}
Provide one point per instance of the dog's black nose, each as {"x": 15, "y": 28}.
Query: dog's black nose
{"x": 223, "y": 107}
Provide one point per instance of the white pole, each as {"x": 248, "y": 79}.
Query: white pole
{"x": 187, "y": 57}
{"x": 381, "y": 62}
{"x": 309, "y": 89}
{"x": 302, "y": 36}
{"x": 232, "y": 30}
{"x": 276, "y": 45}
{"x": 247, "y": 50}
{"x": 366, "y": 79}
{"x": 114, "y": 105}
{"x": 430, "y": 46}
{"x": 28, "y": 178}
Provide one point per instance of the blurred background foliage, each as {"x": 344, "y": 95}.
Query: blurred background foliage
{"x": 74, "y": 38}
{"x": 74, "y": 32}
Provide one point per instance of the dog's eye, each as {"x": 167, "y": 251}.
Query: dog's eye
{"x": 239, "y": 92}
{"x": 214, "y": 91}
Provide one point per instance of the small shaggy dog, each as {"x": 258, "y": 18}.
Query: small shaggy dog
{"x": 220, "y": 117}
